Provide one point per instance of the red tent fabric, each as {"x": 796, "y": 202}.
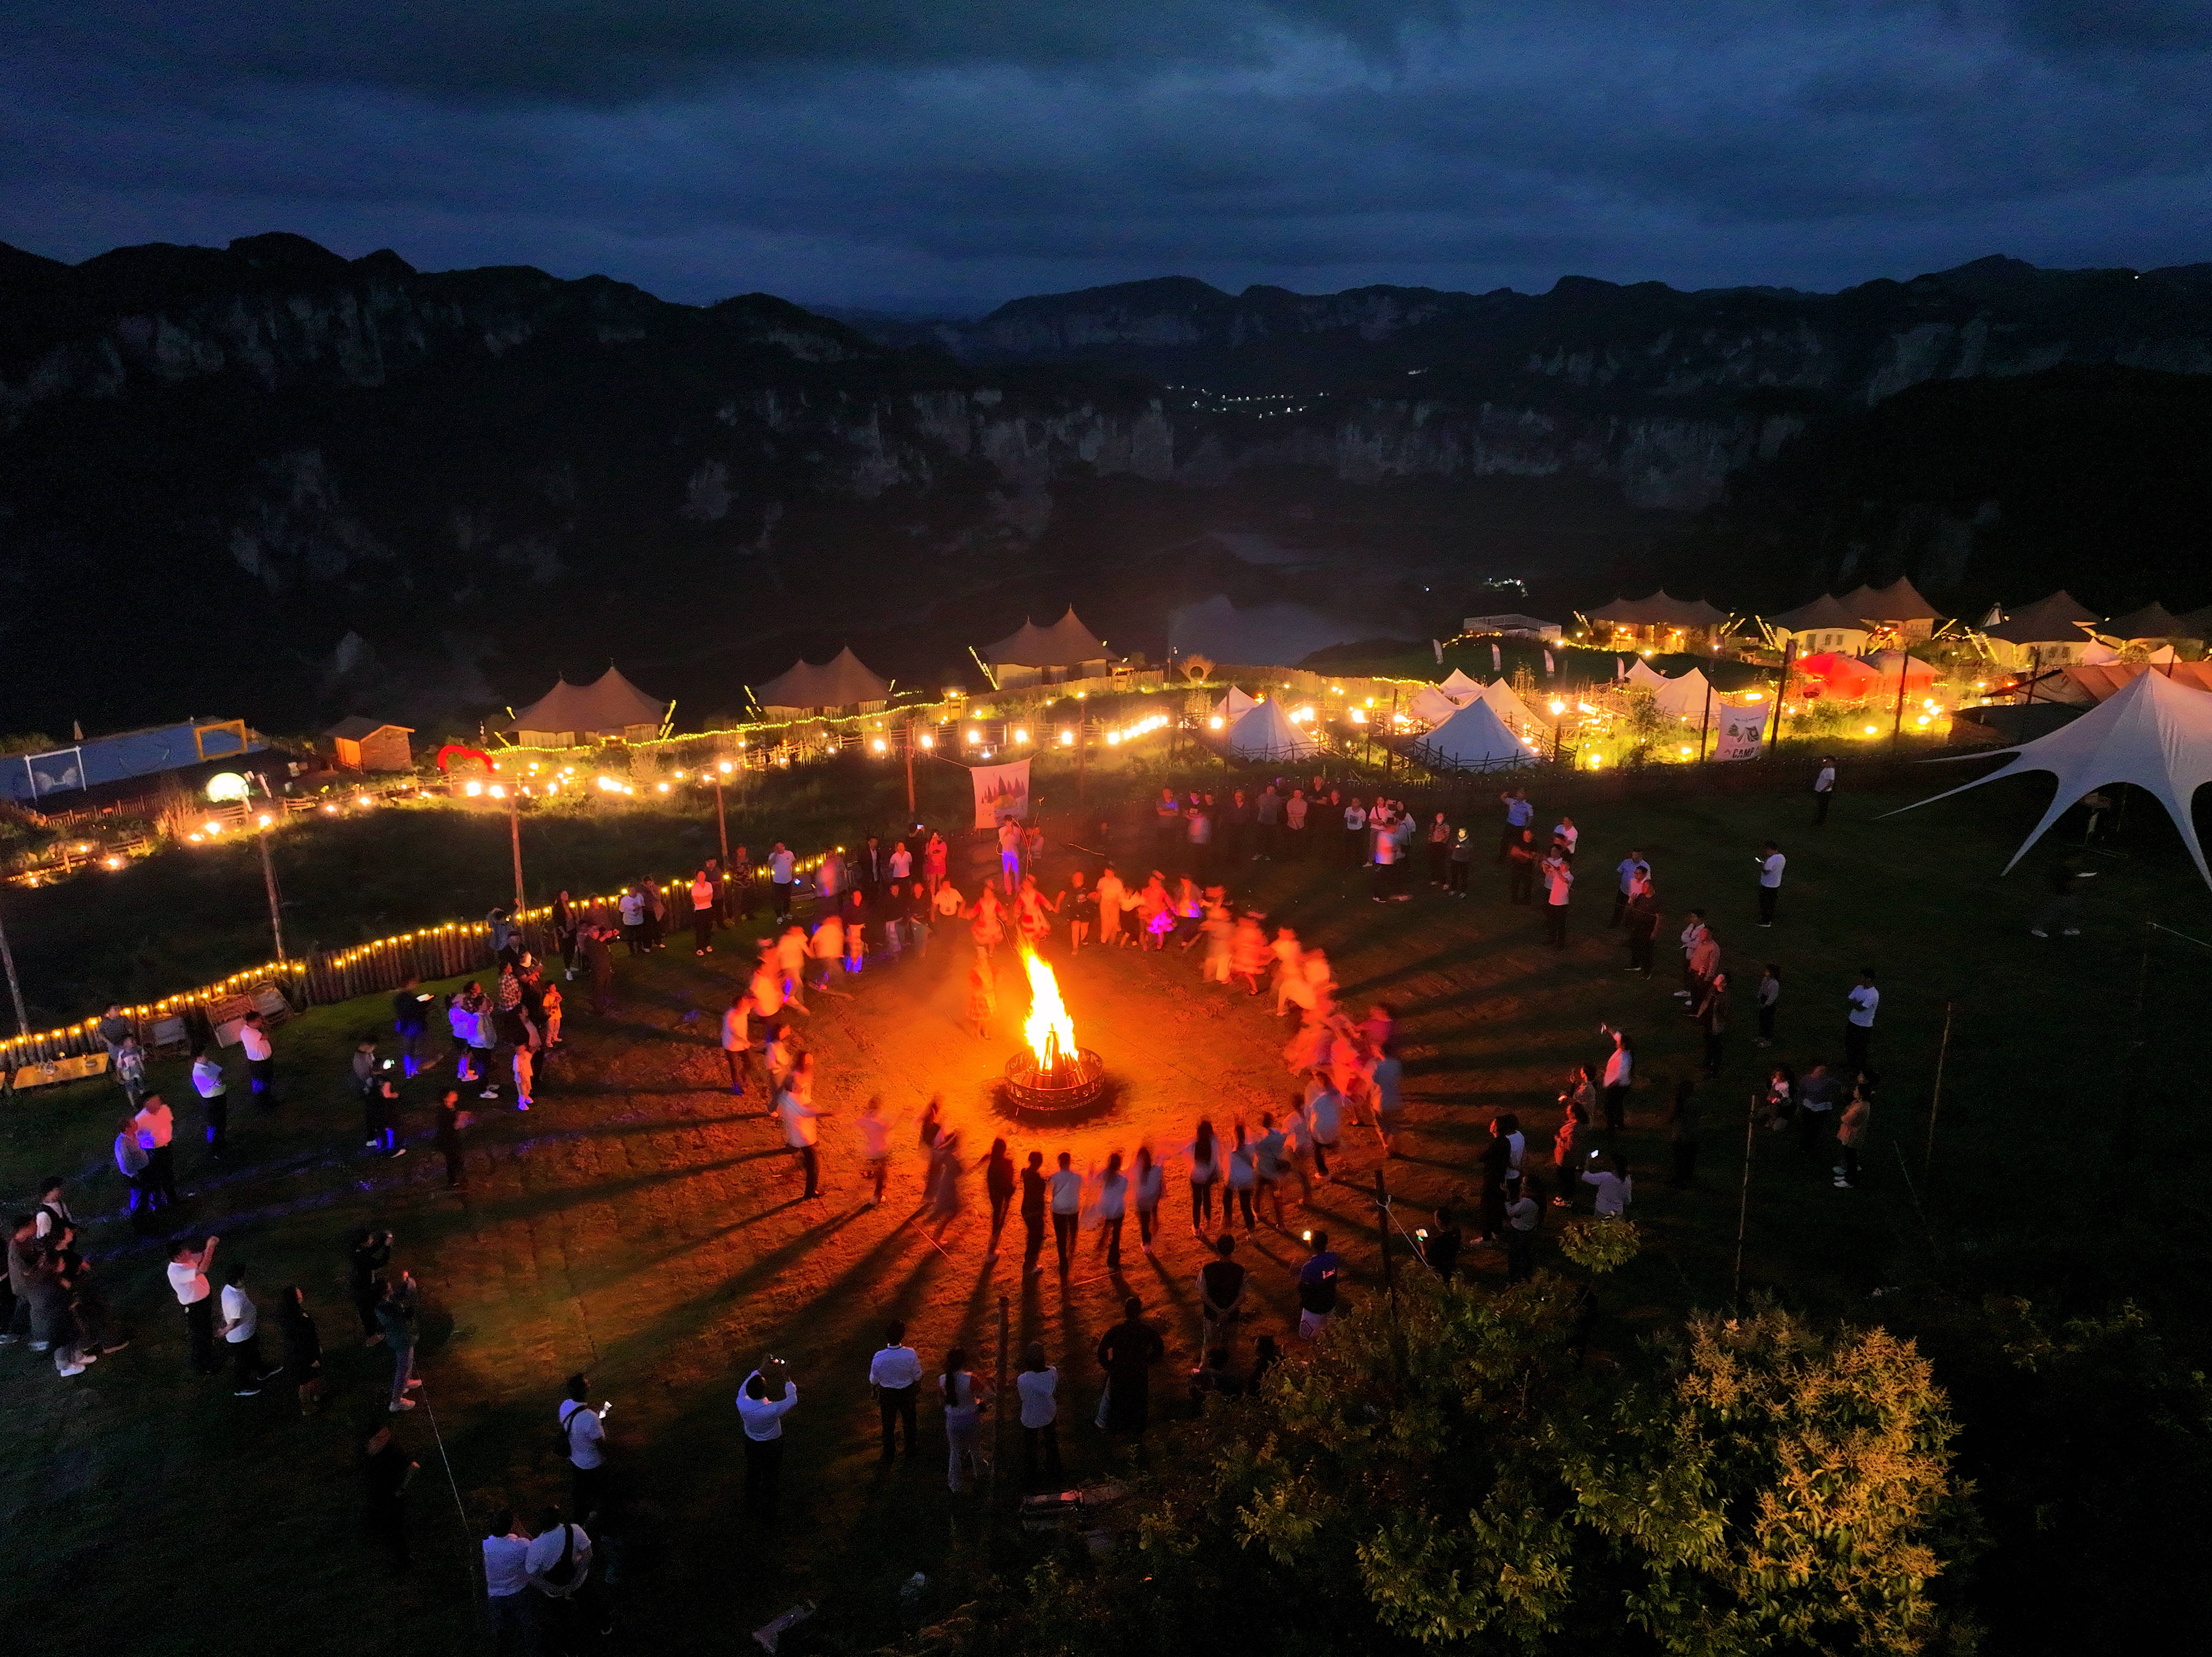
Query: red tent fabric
{"x": 1835, "y": 674}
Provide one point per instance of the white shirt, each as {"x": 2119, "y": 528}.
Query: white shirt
{"x": 239, "y": 1311}
{"x": 779, "y": 867}
{"x": 1630, "y": 869}
{"x": 798, "y": 1119}
{"x": 507, "y": 1565}
{"x": 545, "y": 1553}
{"x": 1568, "y": 833}
{"x": 581, "y": 1423}
{"x": 1113, "y": 1195}
{"x": 1558, "y": 884}
{"x": 1066, "y": 1191}
{"x": 895, "y": 1366}
{"x": 902, "y": 863}
{"x": 255, "y": 1040}
{"x": 875, "y": 1138}
{"x": 1620, "y": 1068}
{"x": 1612, "y": 1192}
{"x": 1863, "y": 1000}
{"x": 1325, "y": 1115}
{"x": 189, "y": 1281}
{"x": 207, "y": 1076}
{"x": 1770, "y": 869}
{"x": 703, "y": 893}
{"x": 1825, "y": 782}
{"x": 764, "y": 1417}
{"x": 737, "y": 1030}
{"x": 154, "y": 1126}
{"x": 1038, "y": 1388}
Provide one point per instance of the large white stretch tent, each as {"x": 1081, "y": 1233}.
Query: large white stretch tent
{"x": 1265, "y": 733}
{"x": 1473, "y": 739}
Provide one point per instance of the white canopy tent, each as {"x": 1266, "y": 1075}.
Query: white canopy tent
{"x": 1473, "y": 739}
{"x": 1432, "y": 706}
{"x": 1497, "y": 696}
{"x": 1642, "y": 672}
{"x": 1265, "y": 732}
{"x": 2153, "y": 733}
{"x": 1236, "y": 704}
{"x": 1684, "y": 698}
{"x": 1459, "y": 688}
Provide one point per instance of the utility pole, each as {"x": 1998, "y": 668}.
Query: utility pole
{"x": 1706, "y": 723}
{"x": 1897, "y": 730}
{"x": 722, "y": 822}
{"x": 514, "y": 840}
{"x": 275, "y": 904}
{"x": 1082, "y": 752}
{"x": 909, "y": 775}
{"x": 1782, "y": 691}
{"x": 15, "y": 985}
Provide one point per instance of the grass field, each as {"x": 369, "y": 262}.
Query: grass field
{"x": 644, "y": 1225}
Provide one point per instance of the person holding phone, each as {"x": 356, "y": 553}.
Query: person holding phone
{"x": 768, "y": 1396}
{"x": 583, "y": 1441}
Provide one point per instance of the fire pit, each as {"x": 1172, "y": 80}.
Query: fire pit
{"x": 1053, "y": 1077}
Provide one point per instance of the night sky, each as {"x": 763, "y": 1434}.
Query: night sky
{"x": 913, "y": 155}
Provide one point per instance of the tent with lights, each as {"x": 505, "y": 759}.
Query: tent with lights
{"x": 2154, "y": 733}
{"x": 1898, "y": 606}
{"x": 1236, "y": 704}
{"x": 2151, "y": 623}
{"x": 2050, "y": 633}
{"x": 1662, "y": 617}
{"x": 2099, "y": 681}
{"x": 1066, "y": 649}
{"x": 608, "y": 707}
{"x": 842, "y": 684}
{"x": 1473, "y": 739}
{"x": 1517, "y": 716}
{"x": 1265, "y": 733}
{"x": 1687, "y": 697}
{"x": 1823, "y": 625}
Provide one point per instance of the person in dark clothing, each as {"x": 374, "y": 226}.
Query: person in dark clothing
{"x": 386, "y": 1471}
{"x": 1497, "y": 1163}
{"x": 303, "y": 1349}
{"x": 2058, "y": 911}
{"x": 1643, "y": 918}
{"x": 372, "y": 1252}
{"x": 1126, "y": 1352}
{"x": 1521, "y": 860}
{"x": 998, "y": 1185}
{"x": 1682, "y": 1125}
{"x": 452, "y": 1118}
{"x": 1033, "y": 1188}
{"x": 1440, "y": 1245}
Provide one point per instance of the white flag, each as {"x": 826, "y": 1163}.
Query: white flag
{"x": 1497, "y": 661}
{"x": 1439, "y": 649}
{"x": 1549, "y": 668}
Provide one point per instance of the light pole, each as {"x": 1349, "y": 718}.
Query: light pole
{"x": 722, "y": 822}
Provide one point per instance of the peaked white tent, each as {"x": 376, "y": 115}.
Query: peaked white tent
{"x": 1265, "y": 732}
{"x": 1473, "y": 739}
{"x": 1642, "y": 672}
{"x": 2153, "y": 733}
{"x": 1459, "y": 688}
{"x": 1498, "y": 696}
{"x": 1432, "y": 706}
{"x": 1236, "y": 704}
{"x": 1684, "y": 698}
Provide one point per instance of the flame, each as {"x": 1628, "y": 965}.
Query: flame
{"x": 1050, "y": 1032}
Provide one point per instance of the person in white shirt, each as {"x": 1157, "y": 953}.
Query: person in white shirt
{"x": 1858, "y": 1024}
{"x": 737, "y": 1041}
{"x": 1614, "y": 1188}
{"x": 902, "y": 863}
{"x": 260, "y": 1060}
{"x": 558, "y": 1560}
{"x": 241, "y": 1331}
{"x": 507, "y": 1573}
{"x": 895, "y": 1377}
{"x": 1770, "y": 862}
{"x": 963, "y": 1398}
{"x": 1038, "y": 1384}
{"x": 1559, "y": 890}
{"x": 799, "y": 1117}
{"x": 1567, "y": 835}
{"x": 156, "y": 1128}
{"x": 1620, "y": 1077}
{"x": 763, "y": 1409}
{"x": 1324, "y": 1114}
{"x": 1385, "y": 857}
{"x": 1631, "y": 869}
{"x": 583, "y": 1439}
{"x": 209, "y": 1082}
{"x": 1824, "y": 791}
{"x": 875, "y": 1146}
{"x": 781, "y": 867}
{"x": 1066, "y": 1189}
{"x": 704, "y": 897}
{"x": 188, "y": 1269}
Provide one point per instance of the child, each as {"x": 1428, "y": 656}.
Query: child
{"x": 856, "y": 949}
{"x": 523, "y": 1069}
{"x": 483, "y": 1040}
{"x": 982, "y": 996}
{"x": 131, "y": 1070}
{"x": 462, "y": 1022}
{"x": 1770, "y": 992}
{"x": 552, "y": 1005}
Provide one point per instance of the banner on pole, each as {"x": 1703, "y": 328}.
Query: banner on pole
{"x": 1742, "y": 732}
{"x": 1001, "y": 791}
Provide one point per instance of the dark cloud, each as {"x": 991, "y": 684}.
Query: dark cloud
{"x": 866, "y": 152}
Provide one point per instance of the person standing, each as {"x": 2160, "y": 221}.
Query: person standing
{"x": 998, "y": 1187}
{"x": 209, "y": 1082}
{"x": 1066, "y": 1209}
{"x": 370, "y": 1255}
{"x": 1033, "y": 1185}
{"x": 1522, "y": 1212}
{"x": 1355, "y": 833}
{"x": 260, "y": 1060}
{"x": 1461, "y": 853}
{"x": 387, "y": 1470}
{"x": 507, "y": 1577}
{"x": 1631, "y": 868}
{"x": 895, "y": 1377}
{"x": 782, "y": 866}
{"x": 1521, "y": 860}
{"x": 1441, "y": 1247}
{"x": 2065, "y": 876}
{"x": 1643, "y": 916}
{"x": 1385, "y": 855}
{"x": 1681, "y": 1125}
{"x": 131, "y": 1162}
{"x": 1769, "y": 998}
{"x": 1317, "y": 1286}
{"x": 1243, "y": 1163}
{"x": 156, "y": 1128}
{"x": 1520, "y": 817}
{"x": 599, "y": 961}
{"x": 1770, "y": 863}
{"x": 559, "y": 1563}
{"x": 1816, "y": 1107}
{"x": 875, "y": 1149}
{"x": 1147, "y": 1184}
{"x": 1620, "y": 1077}
{"x": 1858, "y": 1023}
{"x": 963, "y": 1398}
{"x": 1221, "y": 1284}
{"x": 395, "y": 1319}
{"x": 188, "y": 1270}
{"x": 1205, "y": 1153}
{"x": 241, "y": 1331}
{"x": 452, "y": 1120}
{"x": 583, "y": 1445}
{"x": 1038, "y": 1385}
{"x": 737, "y": 1041}
{"x": 1294, "y": 826}
{"x": 705, "y": 900}
{"x": 800, "y": 1130}
{"x": 303, "y": 1349}
{"x": 761, "y": 1409}
{"x": 1127, "y": 1352}
{"x": 1614, "y": 1188}
{"x": 1849, "y": 1133}
{"x": 1572, "y": 1120}
{"x": 1559, "y": 888}
{"x": 1712, "y": 1015}
{"x": 1823, "y": 788}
